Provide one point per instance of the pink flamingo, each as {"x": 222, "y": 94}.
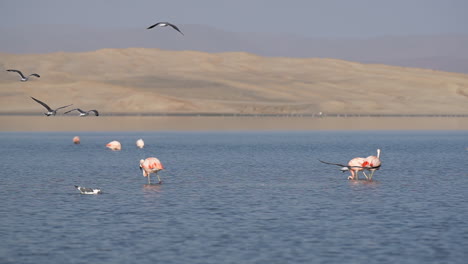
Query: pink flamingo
{"x": 114, "y": 145}
{"x": 151, "y": 165}
{"x": 371, "y": 163}
{"x": 140, "y": 143}
{"x": 76, "y": 140}
{"x": 355, "y": 166}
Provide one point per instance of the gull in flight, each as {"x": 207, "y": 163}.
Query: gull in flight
{"x": 24, "y": 78}
{"x": 83, "y": 113}
{"x": 165, "y": 24}
{"x": 50, "y": 111}
{"x": 84, "y": 190}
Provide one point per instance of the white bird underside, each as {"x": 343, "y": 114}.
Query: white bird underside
{"x": 83, "y": 113}
{"x": 24, "y": 78}
{"x": 50, "y": 111}
{"x": 165, "y": 24}
{"x": 84, "y": 190}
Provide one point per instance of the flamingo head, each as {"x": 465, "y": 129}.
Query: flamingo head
{"x": 141, "y": 164}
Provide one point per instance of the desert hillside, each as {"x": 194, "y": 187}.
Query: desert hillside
{"x": 139, "y": 80}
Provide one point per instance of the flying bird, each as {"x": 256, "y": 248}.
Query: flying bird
{"x": 83, "y": 113}
{"x": 165, "y": 24}
{"x": 371, "y": 163}
{"x": 50, "y": 111}
{"x": 151, "y": 165}
{"x": 24, "y": 78}
{"x": 84, "y": 190}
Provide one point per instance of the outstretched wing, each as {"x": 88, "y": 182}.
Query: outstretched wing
{"x": 330, "y": 163}
{"x": 176, "y": 28}
{"x": 20, "y": 73}
{"x": 350, "y": 167}
{"x": 42, "y": 103}
{"x": 94, "y": 111}
{"x": 63, "y": 107}
{"x": 75, "y": 109}
{"x": 150, "y": 27}
{"x": 35, "y": 74}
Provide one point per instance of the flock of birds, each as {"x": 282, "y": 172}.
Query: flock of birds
{"x": 153, "y": 165}
{"x": 82, "y": 113}
{"x": 148, "y": 166}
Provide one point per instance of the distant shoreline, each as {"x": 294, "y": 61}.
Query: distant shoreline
{"x": 216, "y": 114}
{"x": 227, "y": 123}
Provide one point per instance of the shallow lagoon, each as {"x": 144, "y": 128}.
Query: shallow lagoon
{"x": 234, "y": 197}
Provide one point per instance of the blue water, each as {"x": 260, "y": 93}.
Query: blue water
{"x": 239, "y": 197}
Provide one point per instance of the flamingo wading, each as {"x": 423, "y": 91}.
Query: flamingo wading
{"x": 140, "y": 143}
{"x": 371, "y": 163}
{"x": 151, "y": 165}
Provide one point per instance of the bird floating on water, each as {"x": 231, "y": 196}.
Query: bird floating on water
{"x": 165, "y": 24}
{"x": 76, "y": 140}
{"x": 151, "y": 165}
{"x": 24, "y": 78}
{"x": 50, "y": 111}
{"x": 371, "y": 163}
{"x": 84, "y": 190}
{"x": 83, "y": 113}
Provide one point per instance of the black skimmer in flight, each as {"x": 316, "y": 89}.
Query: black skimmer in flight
{"x": 83, "y": 113}
{"x": 165, "y": 24}
{"x": 24, "y": 78}
{"x": 347, "y": 167}
{"x": 50, "y": 111}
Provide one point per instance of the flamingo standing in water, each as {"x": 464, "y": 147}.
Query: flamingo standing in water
{"x": 76, "y": 140}
{"x": 114, "y": 145}
{"x": 140, "y": 143}
{"x": 371, "y": 163}
{"x": 151, "y": 165}
{"x": 355, "y": 166}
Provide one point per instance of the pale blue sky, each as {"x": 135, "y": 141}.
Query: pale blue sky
{"x": 310, "y": 18}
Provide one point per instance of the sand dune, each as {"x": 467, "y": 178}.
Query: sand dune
{"x": 153, "y": 80}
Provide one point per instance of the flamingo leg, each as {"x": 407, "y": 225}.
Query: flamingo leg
{"x": 149, "y": 178}
{"x": 159, "y": 178}
{"x": 356, "y": 177}
{"x": 372, "y": 174}
{"x": 363, "y": 172}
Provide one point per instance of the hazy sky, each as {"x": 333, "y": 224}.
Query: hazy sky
{"x": 310, "y": 18}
